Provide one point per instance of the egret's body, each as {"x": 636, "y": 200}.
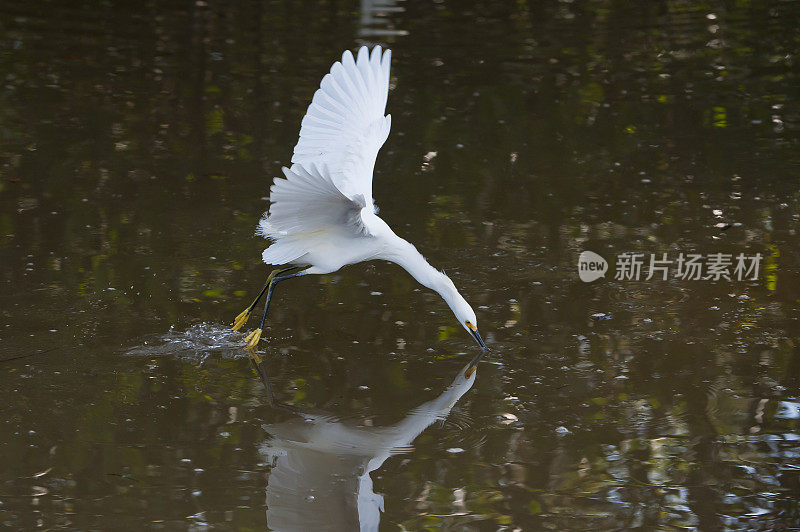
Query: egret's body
{"x": 322, "y": 215}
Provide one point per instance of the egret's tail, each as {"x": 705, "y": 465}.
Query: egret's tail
{"x": 283, "y": 251}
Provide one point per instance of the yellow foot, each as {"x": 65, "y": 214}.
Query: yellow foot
{"x": 241, "y": 319}
{"x": 252, "y": 339}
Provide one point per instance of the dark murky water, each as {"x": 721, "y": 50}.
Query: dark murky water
{"x": 136, "y": 147}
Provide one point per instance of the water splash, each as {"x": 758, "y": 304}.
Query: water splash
{"x": 198, "y": 341}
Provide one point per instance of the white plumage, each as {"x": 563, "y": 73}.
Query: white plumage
{"x": 322, "y": 215}
{"x": 345, "y": 125}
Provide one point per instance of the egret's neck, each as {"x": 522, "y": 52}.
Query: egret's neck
{"x": 404, "y": 254}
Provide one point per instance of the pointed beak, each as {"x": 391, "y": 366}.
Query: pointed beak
{"x": 477, "y": 336}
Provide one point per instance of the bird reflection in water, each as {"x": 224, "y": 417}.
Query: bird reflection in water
{"x": 320, "y": 466}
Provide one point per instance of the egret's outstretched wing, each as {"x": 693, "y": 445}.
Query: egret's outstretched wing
{"x": 344, "y": 126}
{"x": 306, "y": 205}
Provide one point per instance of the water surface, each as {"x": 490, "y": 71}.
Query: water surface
{"x": 136, "y": 149}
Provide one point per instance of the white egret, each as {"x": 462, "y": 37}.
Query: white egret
{"x": 322, "y": 215}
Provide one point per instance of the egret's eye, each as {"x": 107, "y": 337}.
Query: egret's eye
{"x": 470, "y": 325}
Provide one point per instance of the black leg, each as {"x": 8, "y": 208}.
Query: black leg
{"x": 275, "y": 281}
{"x": 242, "y": 318}
{"x": 252, "y": 339}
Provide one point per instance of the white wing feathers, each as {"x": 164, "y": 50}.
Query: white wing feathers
{"x": 306, "y": 204}
{"x": 344, "y": 126}
{"x": 308, "y": 201}
{"x": 330, "y": 180}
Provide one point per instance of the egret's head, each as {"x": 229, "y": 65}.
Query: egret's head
{"x": 464, "y": 313}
